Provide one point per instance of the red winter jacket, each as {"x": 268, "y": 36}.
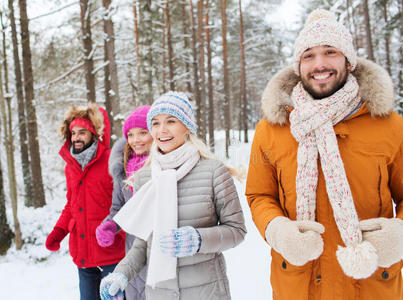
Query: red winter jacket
{"x": 89, "y": 197}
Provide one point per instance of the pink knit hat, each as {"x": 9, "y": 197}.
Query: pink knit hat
{"x": 138, "y": 118}
{"x": 322, "y": 29}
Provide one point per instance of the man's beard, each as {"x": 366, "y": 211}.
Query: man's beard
{"x": 337, "y": 85}
{"x": 79, "y": 150}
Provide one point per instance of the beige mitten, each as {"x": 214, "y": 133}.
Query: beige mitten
{"x": 297, "y": 241}
{"x": 386, "y": 235}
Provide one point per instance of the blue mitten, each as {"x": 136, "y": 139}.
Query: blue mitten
{"x": 112, "y": 286}
{"x": 184, "y": 241}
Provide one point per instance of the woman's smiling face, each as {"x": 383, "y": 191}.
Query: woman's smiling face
{"x": 168, "y": 132}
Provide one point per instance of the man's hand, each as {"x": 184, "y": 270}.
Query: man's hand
{"x": 297, "y": 241}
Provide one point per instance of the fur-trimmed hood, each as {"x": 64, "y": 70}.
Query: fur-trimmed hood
{"x": 116, "y": 165}
{"x": 375, "y": 84}
{"x": 98, "y": 117}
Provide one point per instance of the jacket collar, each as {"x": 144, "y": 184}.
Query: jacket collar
{"x": 66, "y": 155}
{"x": 376, "y": 89}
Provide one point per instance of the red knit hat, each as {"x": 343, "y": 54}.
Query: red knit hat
{"x": 83, "y": 122}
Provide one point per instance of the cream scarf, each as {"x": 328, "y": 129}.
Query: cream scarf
{"x": 312, "y": 124}
{"x": 154, "y": 207}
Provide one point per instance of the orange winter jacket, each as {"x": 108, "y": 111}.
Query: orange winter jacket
{"x": 371, "y": 146}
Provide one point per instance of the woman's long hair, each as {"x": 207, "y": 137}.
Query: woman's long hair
{"x": 127, "y": 152}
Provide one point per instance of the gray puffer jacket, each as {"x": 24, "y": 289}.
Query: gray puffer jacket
{"x": 208, "y": 201}
{"x": 121, "y": 194}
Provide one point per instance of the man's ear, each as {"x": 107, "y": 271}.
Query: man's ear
{"x": 348, "y": 66}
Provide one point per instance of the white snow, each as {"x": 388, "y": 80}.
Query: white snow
{"x": 35, "y": 273}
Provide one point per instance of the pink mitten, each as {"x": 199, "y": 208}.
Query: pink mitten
{"x": 105, "y": 233}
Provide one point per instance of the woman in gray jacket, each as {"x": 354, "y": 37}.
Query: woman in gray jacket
{"x": 185, "y": 211}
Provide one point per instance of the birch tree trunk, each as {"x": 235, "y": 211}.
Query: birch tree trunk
{"x": 36, "y": 169}
{"x": 211, "y": 141}
{"x": 85, "y": 17}
{"x": 243, "y": 77}
{"x": 113, "y": 91}
{"x": 22, "y": 124}
{"x": 227, "y": 112}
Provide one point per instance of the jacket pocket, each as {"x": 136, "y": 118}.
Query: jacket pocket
{"x": 282, "y": 193}
{"x": 289, "y": 281}
{"x": 223, "y": 285}
{"x": 385, "y": 198}
{"x": 110, "y": 254}
{"x": 73, "y": 238}
{"x": 71, "y": 225}
{"x": 385, "y": 283}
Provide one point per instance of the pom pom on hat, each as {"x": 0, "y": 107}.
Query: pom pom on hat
{"x": 320, "y": 14}
{"x": 322, "y": 29}
{"x": 138, "y": 118}
{"x": 176, "y": 104}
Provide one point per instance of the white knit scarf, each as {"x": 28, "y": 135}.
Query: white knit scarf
{"x": 154, "y": 207}
{"x": 312, "y": 124}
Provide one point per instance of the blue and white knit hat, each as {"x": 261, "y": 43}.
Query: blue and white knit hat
{"x": 176, "y": 104}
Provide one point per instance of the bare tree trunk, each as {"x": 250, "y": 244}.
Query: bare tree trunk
{"x": 109, "y": 43}
{"x": 210, "y": 82}
{"x": 400, "y": 77}
{"x": 351, "y": 21}
{"x": 9, "y": 145}
{"x": 107, "y": 87}
{"x": 171, "y": 64}
{"x": 186, "y": 45}
{"x": 136, "y": 43}
{"x": 196, "y": 87}
{"x": 85, "y": 17}
{"x": 163, "y": 56}
{"x": 6, "y": 235}
{"x": 145, "y": 36}
{"x": 370, "y": 50}
{"x": 22, "y": 125}
{"x": 36, "y": 169}
{"x": 386, "y": 36}
{"x": 243, "y": 78}
{"x": 202, "y": 82}
{"x": 227, "y": 112}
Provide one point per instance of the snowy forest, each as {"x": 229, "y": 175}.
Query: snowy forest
{"x": 125, "y": 53}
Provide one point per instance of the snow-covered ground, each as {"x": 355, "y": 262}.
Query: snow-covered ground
{"x": 35, "y": 273}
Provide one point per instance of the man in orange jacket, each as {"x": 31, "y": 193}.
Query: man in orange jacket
{"x": 325, "y": 180}
{"x": 86, "y": 131}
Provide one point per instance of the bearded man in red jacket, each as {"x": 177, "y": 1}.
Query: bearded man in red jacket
{"x": 86, "y": 131}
